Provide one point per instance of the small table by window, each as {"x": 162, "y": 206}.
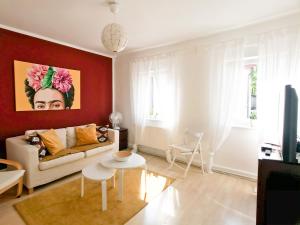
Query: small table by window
{"x": 123, "y": 138}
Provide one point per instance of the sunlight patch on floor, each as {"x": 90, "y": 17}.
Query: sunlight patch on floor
{"x": 155, "y": 185}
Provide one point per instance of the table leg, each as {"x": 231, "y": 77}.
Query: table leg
{"x": 104, "y": 197}
{"x": 120, "y": 184}
{"x": 82, "y": 185}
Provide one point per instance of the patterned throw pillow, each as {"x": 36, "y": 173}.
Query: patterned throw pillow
{"x": 35, "y": 139}
{"x": 102, "y": 133}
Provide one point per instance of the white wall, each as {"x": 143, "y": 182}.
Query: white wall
{"x": 239, "y": 152}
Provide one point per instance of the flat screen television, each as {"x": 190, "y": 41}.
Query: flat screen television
{"x": 289, "y": 142}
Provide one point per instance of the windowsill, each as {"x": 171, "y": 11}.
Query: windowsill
{"x": 152, "y": 119}
{"x": 246, "y": 125}
{"x": 154, "y": 122}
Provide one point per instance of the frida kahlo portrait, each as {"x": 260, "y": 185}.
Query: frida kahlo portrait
{"x": 41, "y": 87}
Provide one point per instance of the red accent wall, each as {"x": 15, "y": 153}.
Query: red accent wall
{"x": 96, "y": 85}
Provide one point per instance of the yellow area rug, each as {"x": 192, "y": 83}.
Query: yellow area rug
{"x": 63, "y": 204}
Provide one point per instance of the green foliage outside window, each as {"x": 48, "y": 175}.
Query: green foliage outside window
{"x": 253, "y": 115}
{"x": 253, "y": 79}
{"x": 252, "y": 86}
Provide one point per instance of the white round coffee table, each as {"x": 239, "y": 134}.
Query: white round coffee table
{"x": 97, "y": 172}
{"x": 134, "y": 161}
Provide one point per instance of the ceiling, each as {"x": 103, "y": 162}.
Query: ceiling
{"x": 149, "y": 23}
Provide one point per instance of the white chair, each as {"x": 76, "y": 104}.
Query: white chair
{"x": 190, "y": 147}
{"x": 10, "y": 178}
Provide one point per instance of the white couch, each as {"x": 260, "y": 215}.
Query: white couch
{"x": 42, "y": 172}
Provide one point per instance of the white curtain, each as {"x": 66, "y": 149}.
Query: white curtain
{"x": 154, "y": 81}
{"x": 166, "y": 80}
{"x": 279, "y": 64}
{"x": 226, "y": 66}
{"x": 140, "y": 96}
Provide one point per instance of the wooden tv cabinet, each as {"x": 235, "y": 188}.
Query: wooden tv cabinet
{"x": 277, "y": 182}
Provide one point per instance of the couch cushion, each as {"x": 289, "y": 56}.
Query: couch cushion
{"x": 61, "y": 132}
{"x": 36, "y": 140}
{"x": 52, "y": 141}
{"x": 86, "y": 135}
{"x": 84, "y": 148}
{"x": 60, "y": 161}
{"x": 61, "y": 153}
{"x": 71, "y": 136}
{"x": 99, "y": 150}
{"x": 102, "y": 133}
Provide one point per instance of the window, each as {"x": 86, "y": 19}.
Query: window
{"x": 159, "y": 92}
{"x": 154, "y": 91}
{"x": 154, "y": 97}
{"x": 246, "y": 112}
{"x": 251, "y": 103}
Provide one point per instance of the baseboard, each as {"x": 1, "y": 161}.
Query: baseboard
{"x": 217, "y": 168}
{"x": 151, "y": 151}
{"x": 240, "y": 173}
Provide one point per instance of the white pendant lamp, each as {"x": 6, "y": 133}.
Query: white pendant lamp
{"x": 114, "y": 38}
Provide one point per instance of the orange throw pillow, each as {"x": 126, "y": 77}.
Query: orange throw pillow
{"x": 52, "y": 141}
{"x": 86, "y": 135}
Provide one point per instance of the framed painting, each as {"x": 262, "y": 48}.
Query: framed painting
{"x": 42, "y": 87}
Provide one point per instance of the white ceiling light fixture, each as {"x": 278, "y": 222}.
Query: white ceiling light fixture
{"x": 114, "y": 37}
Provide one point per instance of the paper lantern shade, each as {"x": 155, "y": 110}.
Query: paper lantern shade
{"x": 114, "y": 38}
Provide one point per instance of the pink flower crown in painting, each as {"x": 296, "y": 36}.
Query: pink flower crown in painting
{"x": 40, "y": 76}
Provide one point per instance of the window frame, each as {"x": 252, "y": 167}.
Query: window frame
{"x": 244, "y": 121}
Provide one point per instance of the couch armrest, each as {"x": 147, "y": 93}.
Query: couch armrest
{"x": 18, "y": 150}
{"x": 113, "y": 135}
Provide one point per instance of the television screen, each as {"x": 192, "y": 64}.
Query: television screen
{"x": 289, "y": 142}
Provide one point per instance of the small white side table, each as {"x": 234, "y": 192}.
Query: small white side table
{"x": 134, "y": 161}
{"x": 97, "y": 172}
